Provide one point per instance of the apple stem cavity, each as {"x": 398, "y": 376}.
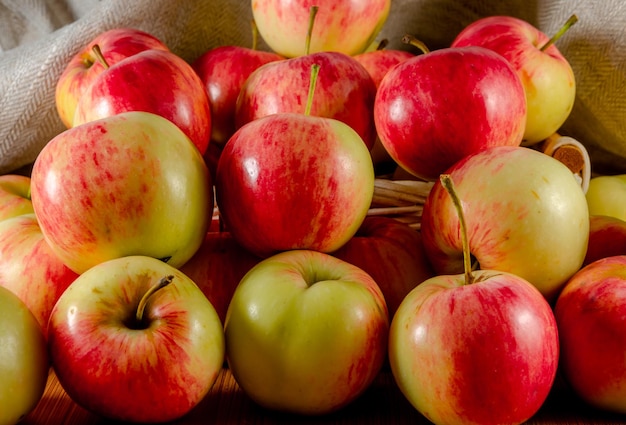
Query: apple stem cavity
{"x": 309, "y": 33}
{"x": 144, "y": 299}
{"x": 412, "y": 41}
{"x": 448, "y": 184}
{"x": 315, "y": 70}
{"x": 568, "y": 24}
{"x": 99, "y": 56}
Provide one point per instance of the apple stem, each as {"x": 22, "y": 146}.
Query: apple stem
{"x": 99, "y": 56}
{"x": 409, "y": 39}
{"x": 571, "y": 21}
{"x": 309, "y": 33}
{"x": 383, "y": 44}
{"x": 448, "y": 184}
{"x": 255, "y": 34}
{"x": 144, "y": 300}
{"x": 315, "y": 70}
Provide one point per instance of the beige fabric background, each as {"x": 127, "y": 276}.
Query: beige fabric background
{"x": 37, "y": 38}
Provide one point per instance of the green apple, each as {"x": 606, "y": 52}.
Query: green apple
{"x": 306, "y": 332}
{"x": 24, "y": 360}
{"x": 128, "y": 184}
{"x": 606, "y": 195}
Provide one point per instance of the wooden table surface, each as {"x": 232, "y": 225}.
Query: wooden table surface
{"x": 381, "y": 404}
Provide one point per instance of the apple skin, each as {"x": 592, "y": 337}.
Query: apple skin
{"x": 344, "y": 91}
{"x": 306, "y": 332}
{"x": 224, "y": 70}
{"x": 30, "y": 269}
{"x": 345, "y": 26}
{"x": 426, "y": 124}
{"x": 115, "y": 44}
{"x": 217, "y": 267}
{"x": 379, "y": 62}
{"x": 591, "y": 315}
{"x": 24, "y": 361}
{"x": 292, "y": 181}
{"x": 14, "y": 196}
{"x": 116, "y": 367}
{"x": 154, "y": 81}
{"x": 607, "y": 238}
{"x": 606, "y": 195}
{"x": 479, "y": 353}
{"x": 525, "y": 212}
{"x": 91, "y": 208}
{"x": 392, "y": 253}
{"x": 547, "y": 76}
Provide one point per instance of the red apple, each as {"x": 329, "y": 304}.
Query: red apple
{"x": 546, "y": 75}
{"x": 115, "y": 44}
{"x": 434, "y": 109}
{"x": 526, "y": 215}
{"x": 30, "y": 269}
{"x": 288, "y": 181}
{"x": 344, "y": 91}
{"x": 479, "y": 353}
{"x": 14, "y": 196}
{"x": 128, "y": 184}
{"x": 392, "y": 253}
{"x": 607, "y": 237}
{"x": 217, "y": 267}
{"x": 153, "y": 81}
{"x": 346, "y": 26}
{"x": 223, "y": 70}
{"x": 379, "y": 62}
{"x": 591, "y": 316}
{"x": 134, "y": 339}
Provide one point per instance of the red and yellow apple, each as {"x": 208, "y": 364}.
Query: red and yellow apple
{"x": 128, "y": 184}
{"x": 84, "y": 67}
{"x": 14, "y": 196}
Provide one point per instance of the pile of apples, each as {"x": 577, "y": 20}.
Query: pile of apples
{"x": 117, "y": 273}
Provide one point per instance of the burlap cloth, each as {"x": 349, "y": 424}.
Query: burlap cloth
{"x": 37, "y": 38}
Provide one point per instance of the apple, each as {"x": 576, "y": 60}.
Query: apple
{"x": 344, "y": 90}
{"x": 29, "y": 268}
{"x": 378, "y": 62}
{"x": 526, "y": 215}
{"x": 591, "y": 316}
{"x": 217, "y": 267}
{"x": 128, "y": 184}
{"x": 114, "y": 45}
{"x": 306, "y": 332}
{"x": 294, "y": 181}
{"x": 14, "y": 196}
{"x": 607, "y": 238}
{"x": 479, "y": 347}
{"x": 134, "y": 339}
{"x": 427, "y": 123}
{"x": 606, "y": 195}
{"x": 154, "y": 81}
{"x": 546, "y": 75}
{"x": 392, "y": 253}
{"x": 223, "y": 71}
{"x": 24, "y": 361}
{"x": 345, "y": 26}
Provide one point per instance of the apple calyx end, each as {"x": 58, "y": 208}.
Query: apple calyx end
{"x": 448, "y": 184}
{"x": 568, "y": 24}
{"x": 413, "y": 41}
{"x": 139, "y": 316}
